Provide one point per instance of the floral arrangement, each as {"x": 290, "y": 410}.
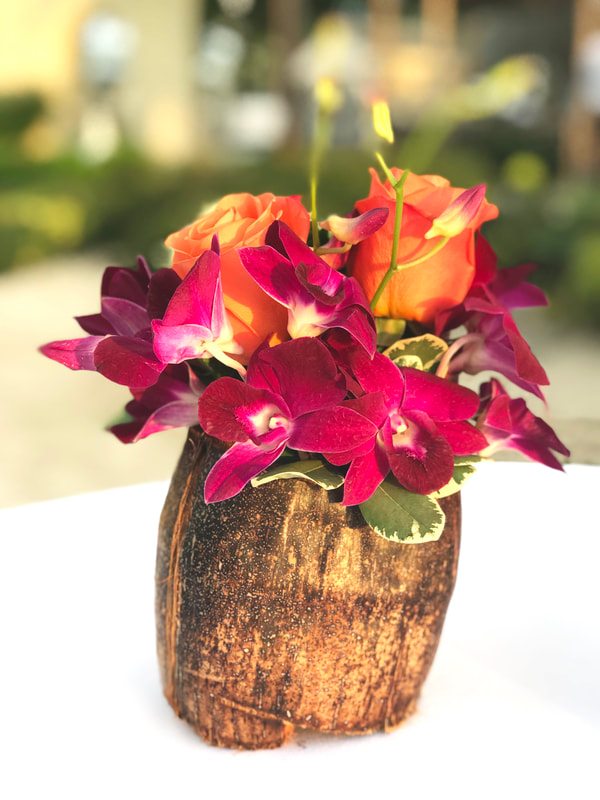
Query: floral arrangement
{"x": 329, "y": 351}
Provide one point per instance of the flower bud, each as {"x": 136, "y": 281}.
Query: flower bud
{"x": 382, "y": 121}
{"x": 353, "y": 230}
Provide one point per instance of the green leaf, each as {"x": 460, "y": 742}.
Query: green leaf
{"x": 389, "y": 330}
{"x": 427, "y": 349}
{"x": 464, "y": 467}
{"x": 402, "y": 516}
{"x": 313, "y": 470}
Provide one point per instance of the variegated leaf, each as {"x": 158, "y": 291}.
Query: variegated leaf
{"x": 312, "y": 470}
{"x": 428, "y": 349}
{"x": 402, "y": 516}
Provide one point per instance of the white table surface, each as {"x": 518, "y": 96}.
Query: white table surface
{"x": 511, "y": 708}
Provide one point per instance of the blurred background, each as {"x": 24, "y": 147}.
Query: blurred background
{"x": 121, "y": 119}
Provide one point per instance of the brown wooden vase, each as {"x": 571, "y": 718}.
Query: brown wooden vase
{"x": 280, "y": 608}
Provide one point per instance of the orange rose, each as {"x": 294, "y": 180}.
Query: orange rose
{"x": 439, "y": 282}
{"x": 241, "y": 220}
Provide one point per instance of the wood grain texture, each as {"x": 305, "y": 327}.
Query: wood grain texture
{"x": 280, "y": 608}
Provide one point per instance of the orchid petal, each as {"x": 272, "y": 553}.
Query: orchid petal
{"x": 176, "y": 343}
{"x": 330, "y": 430}
{"x": 440, "y": 399}
{"x": 528, "y": 367}
{"x": 306, "y": 374}
{"x": 73, "y": 353}
{"x": 235, "y": 412}
{"x": 128, "y": 361}
{"x": 95, "y": 324}
{"x": 378, "y": 374}
{"x": 420, "y": 458}
{"x": 193, "y": 300}
{"x": 321, "y": 282}
{"x": 125, "y": 317}
{"x": 463, "y": 437}
{"x": 508, "y": 423}
{"x": 285, "y": 241}
{"x": 236, "y": 468}
{"x": 162, "y": 287}
{"x": 270, "y": 271}
{"x": 364, "y": 476}
{"x": 359, "y": 326}
{"x": 127, "y": 283}
{"x": 178, "y": 414}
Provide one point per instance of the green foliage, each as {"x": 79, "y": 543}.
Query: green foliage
{"x": 402, "y": 516}
{"x": 420, "y": 352}
{"x": 313, "y": 470}
{"x": 464, "y": 468}
{"x": 18, "y": 112}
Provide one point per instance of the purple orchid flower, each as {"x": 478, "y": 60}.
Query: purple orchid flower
{"x": 421, "y": 423}
{"x": 195, "y": 323}
{"x": 493, "y": 341}
{"x": 292, "y": 397}
{"x": 172, "y": 402}
{"x": 317, "y": 297}
{"x": 507, "y": 423}
{"x": 120, "y": 342}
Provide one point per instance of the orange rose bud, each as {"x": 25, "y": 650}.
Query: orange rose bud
{"x": 241, "y": 220}
{"x": 459, "y": 214}
{"x": 441, "y": 281}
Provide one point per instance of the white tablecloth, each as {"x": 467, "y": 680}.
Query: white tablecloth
{"x": 510, "y": 709}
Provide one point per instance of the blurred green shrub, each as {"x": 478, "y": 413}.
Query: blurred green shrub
{"x": 18, "y": 112}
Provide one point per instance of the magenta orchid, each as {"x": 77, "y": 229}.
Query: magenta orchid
{"x": 507, "y": 423}
{"x": 195, "y": 324}
{"x": 172, "y": 402}
{"x": 421, "y": 423}
{"x": 317, "y": 297}
{"x": 493, "y": 341}
{"x": 120, "y": 344}
{"x": 292, "y": 398}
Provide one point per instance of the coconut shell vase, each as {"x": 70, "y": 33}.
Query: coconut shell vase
{"x": 280, "y": 608}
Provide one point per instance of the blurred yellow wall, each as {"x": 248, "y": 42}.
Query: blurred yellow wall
{"x": 38, "y": 44}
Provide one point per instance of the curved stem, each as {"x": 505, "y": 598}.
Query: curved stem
{"x": 329, "y": 251}
{"x": 442, "y": 370}
{"x": 436, "y": 249}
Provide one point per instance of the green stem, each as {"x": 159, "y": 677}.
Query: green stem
{"x": 386, "y": 169}
{"x": 398, "y": 187}
{"x": 329, "y": 251}
{"x": 320, "y": 141}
